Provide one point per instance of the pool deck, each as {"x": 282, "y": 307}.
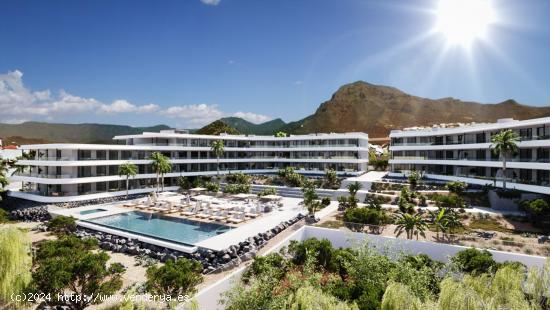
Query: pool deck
{"x": 291, "y": 208}
{"x": 262, "y": 224}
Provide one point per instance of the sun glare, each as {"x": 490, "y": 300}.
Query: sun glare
{"x": 464, "y": 21}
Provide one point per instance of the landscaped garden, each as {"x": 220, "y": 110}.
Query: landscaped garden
{"x": 314, "y": 275}
{"x": 406, "y": 216}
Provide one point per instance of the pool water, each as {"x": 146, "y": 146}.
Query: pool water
{"x": 161, "y": 227}
{"x": 91, "y": 211}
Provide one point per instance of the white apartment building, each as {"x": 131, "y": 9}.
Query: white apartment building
{"x": 463, "y": 153}
{"x": 74, "y": 172}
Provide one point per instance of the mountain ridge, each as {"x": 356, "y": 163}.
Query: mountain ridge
{"x": 357, "y": 106}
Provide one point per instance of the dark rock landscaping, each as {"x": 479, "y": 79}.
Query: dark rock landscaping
{"x": 32, "y": 214}
{"x": 212, "y": 261}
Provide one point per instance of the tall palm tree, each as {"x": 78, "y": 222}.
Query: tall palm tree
{"x": 412, "y": 225}
{"x": 165, "y": 167}
{"x": 157, "y": 161}
{"x": 128, "y": 170}
{"x": 218, "y": 148}
{"x": 504, "y": 144}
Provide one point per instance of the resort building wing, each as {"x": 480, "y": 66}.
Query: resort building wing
{"x": 72, "y": 172}
{"x": 463, "y": 153}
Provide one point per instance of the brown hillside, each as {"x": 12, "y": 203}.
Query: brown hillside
{"x": 374, "y": 109}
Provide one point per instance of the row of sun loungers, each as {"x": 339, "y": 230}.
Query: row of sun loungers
{"x": 229, "y": 211}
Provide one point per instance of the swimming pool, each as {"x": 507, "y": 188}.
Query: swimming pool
{"x": 161, "y": 227}
{"x": 85, "y": 212}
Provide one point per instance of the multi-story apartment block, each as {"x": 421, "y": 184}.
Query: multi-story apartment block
{"x": 72, "y": 172}
{"x": 463, "y": 153}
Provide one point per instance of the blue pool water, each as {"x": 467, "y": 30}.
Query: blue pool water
{"x": 161, "y": 227}
{"x": 91, "y": 211}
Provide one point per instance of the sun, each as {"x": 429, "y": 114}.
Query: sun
{"x": 464, "y": 21}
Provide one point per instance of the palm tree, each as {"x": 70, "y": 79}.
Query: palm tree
{"x": 452, "y": 221}
{"x": 165, "y": 167}
{"x": 128, "y": 170}
{"x": 504, "y": 144}
{"x": 412, "y": 225}
{"x": 353, "y": 188}
{"x": 218, "y": 148}
{"x": 157, "y": 161}
{"x": 439, "y": 220}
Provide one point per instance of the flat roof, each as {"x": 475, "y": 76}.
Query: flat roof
{"x": 314, "y": 136}
{"x": 500, "y": 124}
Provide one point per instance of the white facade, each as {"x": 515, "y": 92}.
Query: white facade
{"x": 72, "y": 172}
{"x": 464, "y": 153}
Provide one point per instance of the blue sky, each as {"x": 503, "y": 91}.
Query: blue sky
{"x": 186, "y": 63}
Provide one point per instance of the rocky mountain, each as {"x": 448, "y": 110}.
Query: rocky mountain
{"x": 68, "y": 133}
{"x": 358, "y": 106}
{"x": 216, "y": 128}
{"x": 375, "y": 109}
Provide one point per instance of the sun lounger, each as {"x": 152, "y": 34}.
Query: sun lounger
{"x": 205, "y": 214}
{"x": 142, "y": 206}
{"x": 219, "y": 216}
{"x": 190, "y": 211}
{"x": 171, "y": 209}
{"x": 236, "y": 218}
{"x": 253, "y": 213}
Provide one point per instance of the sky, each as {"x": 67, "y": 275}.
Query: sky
{"x": 185, "y": 63}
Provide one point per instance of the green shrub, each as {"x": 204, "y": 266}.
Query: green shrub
{"x": 237, "y": 189}
{"x": 238, "y": 178}
{"x": 536, "y": 207}
{"x": 474, "y": 261}
{"x": 369, "y": 216}
{"x": 268, "y": 191}
{"x": 212, "y": 187}
{"x": 456, "y": 187}
{"x": 62, "y": 225}
{"x": 325, "y": 201}
{"x": 450, "y": 201}
{"x": 174, "y": 278}
{"x": 273, "y": 264}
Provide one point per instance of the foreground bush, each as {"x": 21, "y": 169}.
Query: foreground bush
{"x": 314, "y": 275}
{"x": 174, "y": 278}
{"x": 15, "y": 263}
{"x": 69, "y": 266}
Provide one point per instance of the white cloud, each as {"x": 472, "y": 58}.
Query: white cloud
{"x": 194, "y": 114}
{"x": 253, "y": 117}
{"x": 18, "y": 102}
{"x": 298, "y": 82}
{"x": 211, "y": 2}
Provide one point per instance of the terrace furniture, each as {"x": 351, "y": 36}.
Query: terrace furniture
{"x": 142, "y": 206}
{"x": 252, "y": 212}
{"x": 171, "y": 209}
{"x": 219, "y": 216}
{"x": 237, "y": 218}
{"x": 206, "y": 213}
{"x": 190, "y": 211}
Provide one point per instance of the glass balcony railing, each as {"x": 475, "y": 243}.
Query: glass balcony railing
{"x": 518, "y": 160}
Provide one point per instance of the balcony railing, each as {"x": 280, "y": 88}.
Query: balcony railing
{"x": 518, "y": 160}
